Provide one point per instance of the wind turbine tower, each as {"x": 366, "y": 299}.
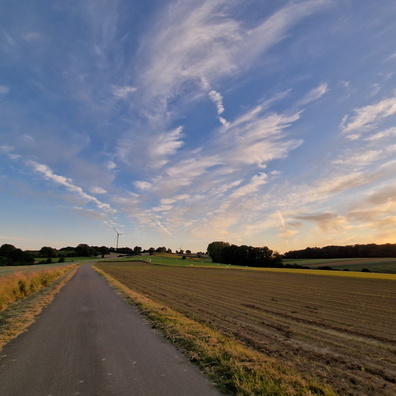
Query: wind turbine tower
{"x": 118, "y": 237}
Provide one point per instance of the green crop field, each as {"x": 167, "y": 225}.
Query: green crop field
{"x": 171, "y": 261}
{"x": 30, "y": 268}
{"x": 383, "y": 265}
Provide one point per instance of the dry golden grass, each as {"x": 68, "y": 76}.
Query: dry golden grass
{"x": 20, "y": 284}
{"x": 21, "y": 313}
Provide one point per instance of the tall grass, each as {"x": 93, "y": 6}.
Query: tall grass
{"x": 18, "y": 285}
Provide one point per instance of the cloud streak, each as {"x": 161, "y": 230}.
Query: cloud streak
{"x": 366, "y": 117}
{"x": 314, "y": 94}
{"x": 48, "y": 174}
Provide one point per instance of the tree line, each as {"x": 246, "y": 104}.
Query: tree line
{"x": 12, "y": 256}
{"x": 349, "y": 251}
{"x": 223, "y": 252}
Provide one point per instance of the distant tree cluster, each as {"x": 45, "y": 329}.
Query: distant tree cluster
{"x": 81, "y": 250}
{"x": 349, "y": 251}
{"x": 223, "y": 252}
{"x": 10, "y": 255}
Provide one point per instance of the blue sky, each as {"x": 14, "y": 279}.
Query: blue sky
{"x": 180, "y": 123}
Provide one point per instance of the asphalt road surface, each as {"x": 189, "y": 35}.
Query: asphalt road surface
{"x": 89, "y": 341}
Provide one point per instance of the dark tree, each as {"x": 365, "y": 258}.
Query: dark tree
{"x": 137, "y": 250}
{"x": 83, "y": 250}
{"x": 10, "y": 255}
{"x": 47, "y": 251}
{"x": 6, "y": 250}
{"x": 215, "y": 251}
{"x": 349, "y": 251}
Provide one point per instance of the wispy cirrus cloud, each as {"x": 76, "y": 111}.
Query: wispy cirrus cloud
{"x": 198, "y": 39}
{"x": 325, "y": 221}
{"x": 382, "y": 134}
{"x": 314, "y": 94}
{"x": 32, "y": 36}
{"x": 4, "y": 90}
{"x": 359, "y": 159}
{"x": 124, "y": 92}
{"x": 165, "y": 145}
{"x": 48, "y": 174}
{"x": 257, "y": 137}
{"x": 365, "y": 117}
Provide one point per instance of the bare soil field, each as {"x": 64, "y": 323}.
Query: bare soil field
{"x": 339, "y": 330}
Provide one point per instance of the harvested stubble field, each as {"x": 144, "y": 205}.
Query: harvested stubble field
{"x": 340, "y": 330}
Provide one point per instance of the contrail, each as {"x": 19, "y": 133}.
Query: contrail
{"x": 163, "y": 228}
{"x": 281, "y": 218}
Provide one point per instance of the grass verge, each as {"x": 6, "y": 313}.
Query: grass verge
{"x": 19, "y": 314}
{"x": 234, "y": 367}
{"x": 18, "y": 285}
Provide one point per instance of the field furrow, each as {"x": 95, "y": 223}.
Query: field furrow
{"x": 339, "y": 330}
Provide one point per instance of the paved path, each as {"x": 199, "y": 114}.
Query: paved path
{"x": 91, "y": 342}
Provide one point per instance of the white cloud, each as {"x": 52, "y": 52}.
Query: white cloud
{"x": 314, "y": 94}
{"x": 162, "y": 208}
{"x": 4, "y": 90}
{"x": 365, "y": 117}
{"x": 359, "y": 159}
{"x": 124, "y": 92}
{"x": 186, "y": 171}
{"x": 224, "y": 122}
{"x": 278, "y": 212}
{"x": 257, "y": 137}
{"x": 204, "y": 43}
{"x": 69, "y": 185}
{"x": 382, "y": 134}
{"x": 32, "y": 36}
{"x": 391, "y": 57}
{"x": 163, "y": 228}
{"x": 165, "y": 145}
{"x": 6, "y": 148}
{"x": 142, "y": 185}
{"x": 168, "y": 201}
{"x": 217, "y": 99}
{"x": 253, "y": 186}
{"x": 111, "y": 165}
{"x": 98, "y": 190}
{"x": 89, "y": 213}
{"x": 325, "y": 221}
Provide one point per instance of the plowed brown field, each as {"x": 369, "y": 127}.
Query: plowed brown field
{"x": 340, "y": 330}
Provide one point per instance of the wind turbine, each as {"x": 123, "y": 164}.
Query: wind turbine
{"x": 118, "y": 237}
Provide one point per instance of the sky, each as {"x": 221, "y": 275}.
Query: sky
{"x": 179, "y": 123}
